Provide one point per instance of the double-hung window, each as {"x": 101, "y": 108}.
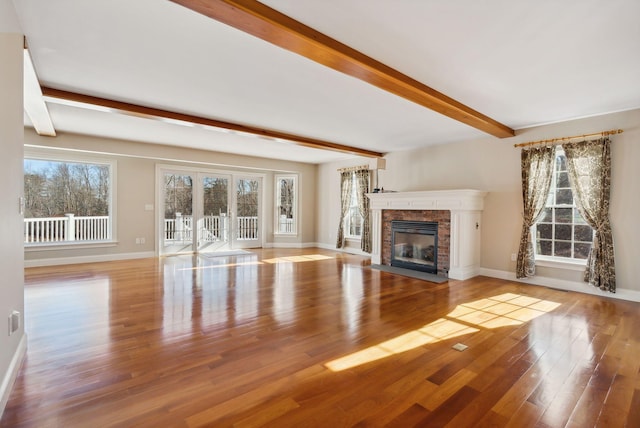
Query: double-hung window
{"x": 286, "y": 205}
{"x": 67, "y": 200}
{"x": 561, "y": 234}
{"x": 353, "y": 220}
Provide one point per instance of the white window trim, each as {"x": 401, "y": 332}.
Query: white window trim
{"x": 561, "y": 263}
{"x": 556, "y": 262}
{"x": 276, "y": 215}
{"x": 61, "y": 155}
{"x": 346, "y": 228}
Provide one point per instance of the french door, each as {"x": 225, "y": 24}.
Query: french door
{"x": 206, "y": 212}
{"x": 246, "y": 215}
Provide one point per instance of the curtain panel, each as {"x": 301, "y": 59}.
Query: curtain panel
{"x": 362, "y": 180}
{"x": 589, "y": 166}
{"x": 537, "y": 172}
{"x": 345, "y": 200}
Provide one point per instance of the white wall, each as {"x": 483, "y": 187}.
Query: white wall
{"x": 493, "y": 165}
{"x": 11, "y": 257}
{"x": 136, "y": 169}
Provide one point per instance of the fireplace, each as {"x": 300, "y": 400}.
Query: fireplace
{"x": 415, "y": 245}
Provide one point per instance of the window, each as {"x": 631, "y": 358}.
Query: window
{"x": 286, "y": 204}
{"x": 561, "y": 232}
{"x": 353, "y": 220}
{"x": 67, "y": 201}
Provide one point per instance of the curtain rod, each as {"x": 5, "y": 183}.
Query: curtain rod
{"x": 558, "y": 140}
{"x": 353, "y": 168}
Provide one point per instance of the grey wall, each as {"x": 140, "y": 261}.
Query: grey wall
{"x": 493, "y": 165}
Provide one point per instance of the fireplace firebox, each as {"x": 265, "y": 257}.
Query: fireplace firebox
{"x": 415, "y": 245}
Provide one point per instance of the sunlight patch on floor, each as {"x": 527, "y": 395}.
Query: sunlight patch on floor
{"x": 222, "y": 265}
{"x": 438, "y": 330}
{"x": 298, "y": 259}
{"x": 286, "y": 259}
{"x": 504, "y": 310}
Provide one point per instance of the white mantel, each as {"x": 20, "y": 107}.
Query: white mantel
{"x": 466, "y": 207}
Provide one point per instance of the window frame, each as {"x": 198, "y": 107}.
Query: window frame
{"x": 277, "y": 205}
{"x": 347, "y": 219}
{"x": 47, "y": 155}
{"x": 555, "y": 261}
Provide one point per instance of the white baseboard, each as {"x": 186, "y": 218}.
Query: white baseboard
{"x": 561, "y": 284}
{"x": 12, "y": 373}
{"x": 464, "y": 273}
{"x": 349, "y": 250}
{"x": 289, "y": 245}
{"x": 88, "y": 259}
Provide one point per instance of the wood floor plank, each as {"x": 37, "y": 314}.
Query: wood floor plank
{"x": 413, "y": 416}
{"x": 527, "y": 415}
{"x": 633, "y": 416}
{"x": 253, "y": 340}
{"x": 445, "y": 413}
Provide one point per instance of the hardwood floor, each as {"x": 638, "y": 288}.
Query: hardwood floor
{"x": 301, "y": 338}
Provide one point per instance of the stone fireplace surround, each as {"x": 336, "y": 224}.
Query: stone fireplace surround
{"x": 459, "y": 245}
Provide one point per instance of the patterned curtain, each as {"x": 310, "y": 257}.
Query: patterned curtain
{"x": 362, "y": 181}
{"x": 537, "y": 170}
{"x": 589, "y": 166}
{"x": 345, "y": 201}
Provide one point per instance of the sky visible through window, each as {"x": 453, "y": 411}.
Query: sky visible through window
{"x": 37, "y": 166}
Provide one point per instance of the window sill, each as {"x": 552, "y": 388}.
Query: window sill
{"x": 68, "y": 246}
{"x": 559, "y": 263}
{"x": 285, "y": 234}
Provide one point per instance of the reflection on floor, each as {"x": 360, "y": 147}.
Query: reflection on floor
{"x": 312, "y": 337}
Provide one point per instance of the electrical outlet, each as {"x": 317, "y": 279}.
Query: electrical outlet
{"x": 142, "y": 240}
{"x": 514, "y": 257}
{"x": 138, "y": 241}
{"x": 14, "y": 322}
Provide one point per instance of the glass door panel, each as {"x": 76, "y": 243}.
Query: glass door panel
{"x": 247, "y": 209}
{"x": 177, "y": 232}
{"x": 213, "y": 224}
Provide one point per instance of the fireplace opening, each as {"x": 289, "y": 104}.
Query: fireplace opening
{"x": 415, "y": 245}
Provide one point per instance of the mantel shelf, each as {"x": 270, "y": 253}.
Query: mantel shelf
{"x": 464, "y": 199}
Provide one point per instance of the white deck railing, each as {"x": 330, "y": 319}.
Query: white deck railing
{"x": 285, "y": 225}
{"x": 247, "y": 228}
{"x": 180, "y": 229}
{"x": 67, "y": 228}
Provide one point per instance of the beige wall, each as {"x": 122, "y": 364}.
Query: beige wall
{"x": 328, "y": 195}
{"x": 11, "y": 256}
{"x": 136, "y": 172}
{"x": 493, "y": 165}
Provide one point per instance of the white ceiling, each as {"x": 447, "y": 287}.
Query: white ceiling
{"x": 522, "y": 63}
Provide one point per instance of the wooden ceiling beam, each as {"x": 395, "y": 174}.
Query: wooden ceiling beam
{"x": 103, "y": 104}
{"x": 268, "y": 24}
